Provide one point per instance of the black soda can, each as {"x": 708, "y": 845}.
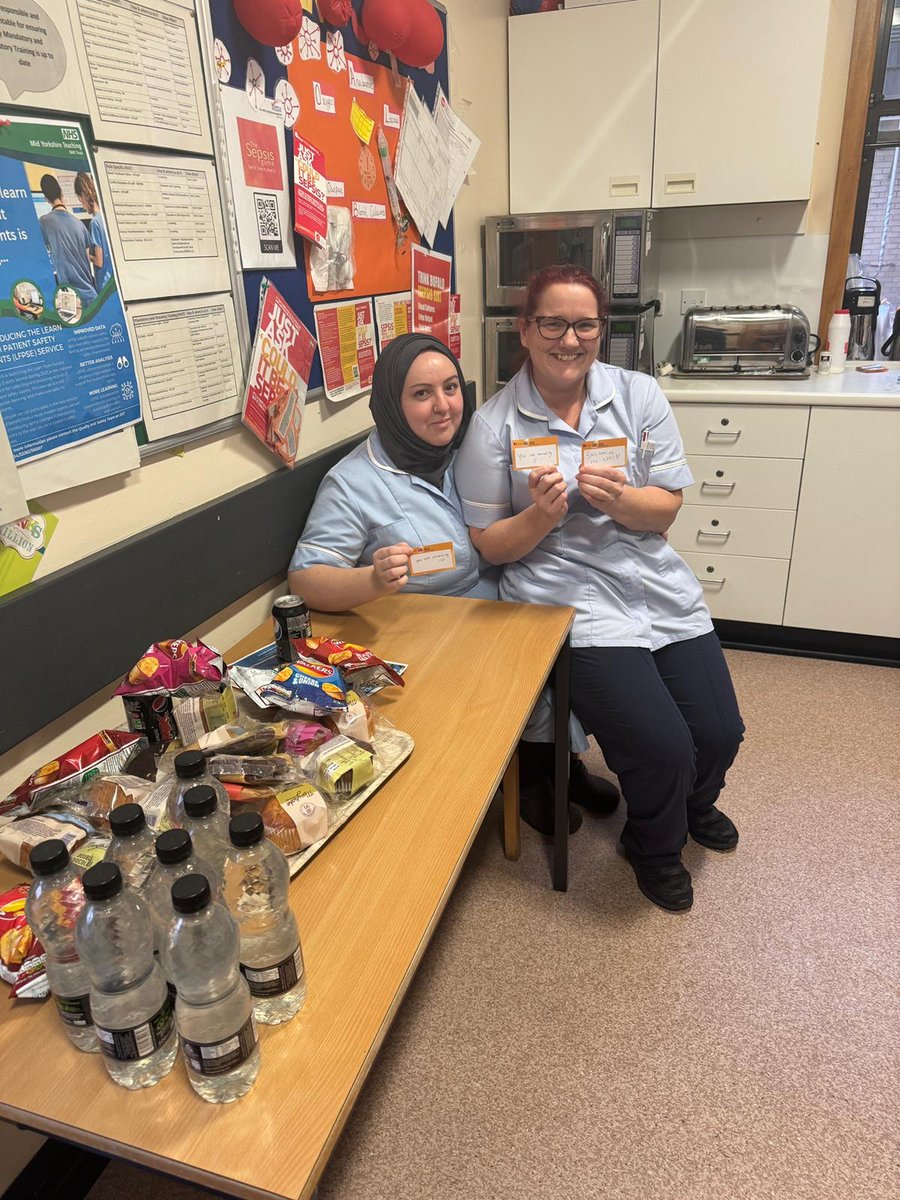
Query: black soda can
{"x": 291, "y": 619}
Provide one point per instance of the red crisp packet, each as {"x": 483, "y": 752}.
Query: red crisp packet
{"x": 350, "y": 659}
{"x": 105, "y": 753}
{"x": 168, "y": 666}
{"x": 21, "y": 954}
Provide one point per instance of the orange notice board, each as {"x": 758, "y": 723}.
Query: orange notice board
{"x": 327, "y": 88}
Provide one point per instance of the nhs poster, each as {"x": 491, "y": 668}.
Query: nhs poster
{"x": 66, "y": 366}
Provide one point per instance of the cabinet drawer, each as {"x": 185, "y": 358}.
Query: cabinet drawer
{"x": 757, "y": 532}
{"x": 745, "y": 482}
{"x": 742, "y": 589}
{"x": 752, "y": 430}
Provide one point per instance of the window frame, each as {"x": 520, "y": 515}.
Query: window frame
{"x": 879, "y": 107}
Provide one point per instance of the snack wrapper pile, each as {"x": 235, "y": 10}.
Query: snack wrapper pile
{"x": 177, "y": 689}
{"x": 359, "y": 666}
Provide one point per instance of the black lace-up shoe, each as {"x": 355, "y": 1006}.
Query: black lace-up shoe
{"x": 536, "y": 809}
{"x": 713, "y": 830}
{"x": 668, "y": 886}
{"x": 593, "y": 793}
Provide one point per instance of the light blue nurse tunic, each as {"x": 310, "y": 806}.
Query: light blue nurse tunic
{"x": 365, "y": 502}
{"x": 628, "y": 588}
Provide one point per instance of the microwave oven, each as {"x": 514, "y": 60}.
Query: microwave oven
{"x": 616, "y": 247}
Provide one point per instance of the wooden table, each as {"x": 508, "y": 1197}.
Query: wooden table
{"x": 367, "y": 906}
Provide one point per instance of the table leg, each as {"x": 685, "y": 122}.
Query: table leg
{"x": 511, "y": 809}
{"x": 561, "y": 774}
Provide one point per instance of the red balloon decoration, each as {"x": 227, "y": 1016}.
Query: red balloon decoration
{"x": 426, "y": 38}
{"x": 335, "y": 12}
{"x": 272, "y": 22}
{"x": 387, "y": 23}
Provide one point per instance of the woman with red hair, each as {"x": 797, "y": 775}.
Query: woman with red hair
{"x": 649, "y": 679}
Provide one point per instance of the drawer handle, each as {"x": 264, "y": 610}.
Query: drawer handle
{"x": 723, "y": 435}
{"x": 678, "y": 185}
{"x": 708, "y": 485}
{"x": 722, "y": 535}
{"x": 712, "y": 581}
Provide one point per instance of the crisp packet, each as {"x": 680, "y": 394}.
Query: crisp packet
{"x": 351, "y": 659}
{"x": 303, "y": 737}
{"x": 21, "y": 954}
{"x": 168, "y": 666}
{"x": 307, "y": 687}
{"x": 341, "y": 768}
{"x": 104, "y": 753}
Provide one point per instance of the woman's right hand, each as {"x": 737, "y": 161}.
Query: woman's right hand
{"x": 548, "y": 492}
{"x": 391, "y": 567}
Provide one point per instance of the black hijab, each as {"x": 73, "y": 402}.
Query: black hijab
{"x": 406, "y": 450}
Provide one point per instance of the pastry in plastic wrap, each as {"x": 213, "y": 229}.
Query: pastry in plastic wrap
{"x": 341, "y": 768}
{"x": 358, "y": 722}
{"x": 19, "y": 838}
{"x": 296, "y": 818}
{"x": 254, "y": 770}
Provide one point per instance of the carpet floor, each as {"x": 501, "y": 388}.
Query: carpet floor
{"x": 589, "y": 1045}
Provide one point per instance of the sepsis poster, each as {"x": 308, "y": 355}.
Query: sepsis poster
{"x": 66, "y": 365}
{"x": 431, "y": 293}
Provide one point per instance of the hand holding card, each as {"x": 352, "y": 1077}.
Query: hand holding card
{"x": 601, "y": 486}
{"x": 549, "y": 491}
{"x": 391, "y": 566}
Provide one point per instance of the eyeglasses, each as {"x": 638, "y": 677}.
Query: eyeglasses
{"x": 553, "y": 328}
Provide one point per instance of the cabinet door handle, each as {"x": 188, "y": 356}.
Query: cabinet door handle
{"x": 723, "y": 534}
{"x": 717, "y": 582}
{"x": 712, "y": 486}
{"x": 679, "y": 185}
{"x": 624, "y": 185}
{"x": 723, "y": 435}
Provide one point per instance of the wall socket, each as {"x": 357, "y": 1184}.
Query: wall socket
{"x": 692, "y": 298}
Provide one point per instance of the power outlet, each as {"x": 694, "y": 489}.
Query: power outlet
{"x": 692, "y": 298}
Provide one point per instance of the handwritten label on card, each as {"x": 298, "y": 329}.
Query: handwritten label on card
{"x": 613, "y": 452}
{"x": 535, "y": 452}
{"x": 430, "y": 559}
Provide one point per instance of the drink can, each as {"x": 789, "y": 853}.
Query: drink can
{"x": 290, "y": 617}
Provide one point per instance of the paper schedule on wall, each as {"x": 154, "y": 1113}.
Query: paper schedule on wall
{"x": 259, "y": 183}
{"x": 420, "y": 169}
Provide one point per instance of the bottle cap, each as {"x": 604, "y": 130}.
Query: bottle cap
{"x": 189, "y": 764}
{"x": 49, "y": 857}
{"x": 246, "y": 829}
{"x": 173, "y": 846}
{"x": 102, "y": 881}
{"x": 127, "y": 819}
{"x": 839, "y": 312}
{"x": 190, "y": 893}
{"x": 200, "y": 801}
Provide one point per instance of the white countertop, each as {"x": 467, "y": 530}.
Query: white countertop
{"x": 851, "y": 388}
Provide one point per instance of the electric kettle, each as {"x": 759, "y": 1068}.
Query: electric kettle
{"x": 862, "y": 296}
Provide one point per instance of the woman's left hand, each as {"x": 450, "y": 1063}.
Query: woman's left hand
{"x": 602, "y": 487}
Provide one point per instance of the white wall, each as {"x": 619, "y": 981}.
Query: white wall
{"x": 761, "y": 253}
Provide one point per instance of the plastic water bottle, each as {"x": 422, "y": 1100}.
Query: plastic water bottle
{"x": 132, "y": 847}
{"x": 191, "y": 769}
{"x": 175, "y": 857}
{"x": 213, "y": 1009}
{"x": 838, "y": 340}
{"x": 52, "y": 908}
{"x": 256, "y": 890}
{"x": 133, "y": 1012}
{"x": 206, "y": 820}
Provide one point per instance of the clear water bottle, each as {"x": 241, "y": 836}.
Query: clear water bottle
{"x": 175, "y": 857}
{"x": 132, "y": 847}
{"x": 132, "y": 1009}
{"x": 213, "y": 1010}
{"x": 256, "y": 890}
{"x": 191, "y": 770}
{"x": 52, "y": 908}
{"x": 206, "y": 820}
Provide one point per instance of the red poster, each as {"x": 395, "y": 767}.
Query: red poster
{"x": 431, "y": 293}
{"x": 279, "y": 376}
{"x": 259, "y": 154}
{"x": 455, "y": 334}
{"x": 310, "y": 191}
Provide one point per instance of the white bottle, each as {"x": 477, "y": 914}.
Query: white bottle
{"x": 838, "y": 339}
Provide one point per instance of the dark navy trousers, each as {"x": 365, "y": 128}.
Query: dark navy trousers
{"x": 669, "y": 727}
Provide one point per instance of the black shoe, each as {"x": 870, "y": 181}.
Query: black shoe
{"x": 669, "y": 886}
{"x": 536, "y": 809}
{"x": 713, "y": 830}
{"x": 596, "y": 795}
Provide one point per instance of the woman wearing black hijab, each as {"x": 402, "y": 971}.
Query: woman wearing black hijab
{"x": 395, "y": 493}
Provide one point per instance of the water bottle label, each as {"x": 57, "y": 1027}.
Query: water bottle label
{"x": 218, "y": 1058}
{"x": 74, "y": 1010}
{"x": 139, "y": 1041}
{"x": 277, "y": 979}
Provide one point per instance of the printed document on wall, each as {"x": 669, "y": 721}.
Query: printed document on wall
{"x": 13, "y": 504}
{"x": 113, "y": 454}
{"x": 189, "y": 362}
{"x": 165, "y": 222}
{"x": 66, "y": 364}
{"x": 420, "y": 170}
{"x": 346, "y": 335}
{"x": 38, "y": 65}
{"x": 460, "y": 146}
{"x": 257, "y": 165}
{"x": 142, "y": 71}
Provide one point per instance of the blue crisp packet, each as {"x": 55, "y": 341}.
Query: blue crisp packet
{"x": 307, "y": 687}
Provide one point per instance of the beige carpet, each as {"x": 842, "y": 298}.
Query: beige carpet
{"x": 590, "y": 1045}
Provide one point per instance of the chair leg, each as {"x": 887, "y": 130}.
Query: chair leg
{"x": 511, "y": 847}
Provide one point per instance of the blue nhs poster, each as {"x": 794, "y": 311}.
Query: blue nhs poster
{"x": 66, "y": 364}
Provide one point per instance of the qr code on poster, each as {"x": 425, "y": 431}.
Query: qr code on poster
{"x": 268, "y": 223}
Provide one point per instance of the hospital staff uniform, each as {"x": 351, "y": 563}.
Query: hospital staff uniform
{"x": 365, "y": 502}
{"x": 67, "y": 241}
{"x": 99, "y": 238}
{"x": 648, "y": 676}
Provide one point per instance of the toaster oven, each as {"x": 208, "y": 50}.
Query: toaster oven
{"x": 763, "y": 340}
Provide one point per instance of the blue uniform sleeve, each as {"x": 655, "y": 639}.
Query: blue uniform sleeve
{"x": 668, "y": 465}
{"x": 336, "y": 532}
{"x": 482, "y": 476}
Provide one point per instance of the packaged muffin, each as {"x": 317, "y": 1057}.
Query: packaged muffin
{"x": 341, "y": 768}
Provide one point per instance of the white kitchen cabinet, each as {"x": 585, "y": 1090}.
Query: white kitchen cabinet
{"x": 737, "y": 100}
{"x": 845, "y": 566}
{"x": 582, "y": 92}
